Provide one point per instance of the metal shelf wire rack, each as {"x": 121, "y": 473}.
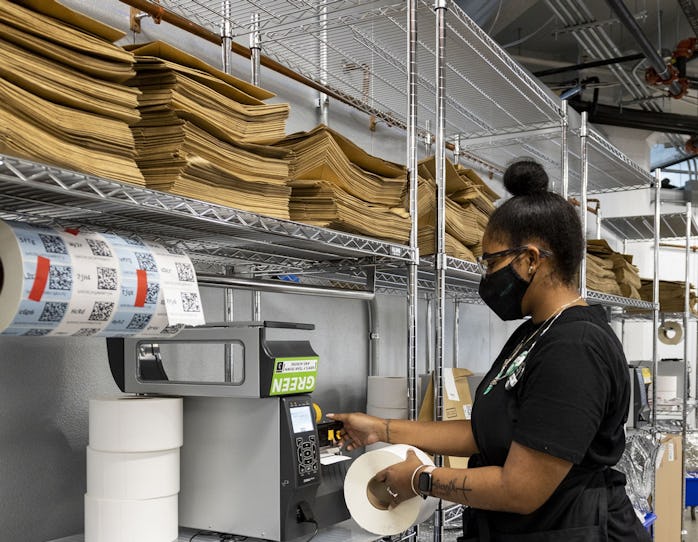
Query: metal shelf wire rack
{"x": 641, "y": 228}
{"x": 610, "y": 170}
{"x": 37, "y": 192}
{"x": 609, "y": 300}
{"x": 366, "y": 50}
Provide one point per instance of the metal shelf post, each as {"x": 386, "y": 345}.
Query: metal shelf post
{"x": 440, "y": 261}
{"x": 412, "y": 178}
{"x": 584, "y": 133}
{"x": 686, "y": 321}
{"x": 255, "y": 49}
{"x": 564, "y": 154}
{"x": 655, "y": 293}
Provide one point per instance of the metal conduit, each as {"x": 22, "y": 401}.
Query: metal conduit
{"x": 599, "y": 43}
{"x": 596, "y": 42}
{"x": 657, "y": 62}
{"x": 279, "y": 287}
{"x": 609, "y": 47}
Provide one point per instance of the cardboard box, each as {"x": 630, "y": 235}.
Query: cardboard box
{"x": 668, "y": 482}
{"x": 457, "y": 404}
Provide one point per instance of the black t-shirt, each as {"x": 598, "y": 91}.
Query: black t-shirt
{"x": 571, "y": 401}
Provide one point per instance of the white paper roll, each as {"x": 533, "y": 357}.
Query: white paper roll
{"x": 151, "y": 520}
{"x": 386, "y": 391}
{"x": 387, "y": 413}
{"x": 134, "y": 475}
{"x": 375, "y": 520}
{"x": 135, "y": 424}
{"x": 667, "y": 388}
{"x": 670, "y": 332}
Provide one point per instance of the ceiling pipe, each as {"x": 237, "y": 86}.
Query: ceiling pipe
{"x": 691, "y": 13}
{"x": 587, "y": 65}
{"x": 656, "y": 61}
{"x": 634, "y": 118}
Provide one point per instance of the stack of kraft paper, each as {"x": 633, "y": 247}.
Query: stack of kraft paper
{"x": 63, "y": 97}
{"x": 469, "y": 202}
{"x": 338, "y": 185}
{"x": 204, "y": 133}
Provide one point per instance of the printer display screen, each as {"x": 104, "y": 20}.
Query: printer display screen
{"x": 301, "y": 419}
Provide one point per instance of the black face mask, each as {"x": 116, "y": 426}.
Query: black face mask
{"x": 503, "y": 291}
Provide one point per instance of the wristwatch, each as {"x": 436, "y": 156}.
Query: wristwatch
{"x": 425, "y": 482}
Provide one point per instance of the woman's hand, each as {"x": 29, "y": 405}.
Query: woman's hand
{"x": 397, "y": 479}
{"x": 359, "y": 429}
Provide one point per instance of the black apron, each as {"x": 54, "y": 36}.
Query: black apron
{"x": 602, "y": 512}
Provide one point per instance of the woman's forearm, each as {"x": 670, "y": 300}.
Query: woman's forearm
{"x": 454, "y": 437}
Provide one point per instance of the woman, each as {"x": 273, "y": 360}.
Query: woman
{"x": 548, "y": 418}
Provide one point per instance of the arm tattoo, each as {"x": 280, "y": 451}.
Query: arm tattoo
{"x": 453, "y": 488}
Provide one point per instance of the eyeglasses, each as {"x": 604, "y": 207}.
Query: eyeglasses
{"x": 486, "y": 261}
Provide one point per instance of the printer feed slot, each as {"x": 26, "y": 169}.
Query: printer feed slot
{"x": 219, "y": 362}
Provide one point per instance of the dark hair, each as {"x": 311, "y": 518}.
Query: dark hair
{"x": 535, "y": 214}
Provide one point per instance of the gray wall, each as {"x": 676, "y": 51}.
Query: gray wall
{"x": 45, "y": 384}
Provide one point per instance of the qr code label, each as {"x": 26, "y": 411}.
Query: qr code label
{"x": 146, "y": 261}
{"x": 53, "y": 311}
{"x": 185, "y": 272}
{"x": 107, "y": 278}
{"x": 53, "y": 244}
{"x": 152, "y": 293}
{"x": 60, "y": 277}
{"x": 99, "y": 247}
{"x": 190, "y": 302}
{"x": 34, "y": 332}
{"x": 139, "y": 321}
{"x": 101, "y": 311}
{"x": 85, "y": 332}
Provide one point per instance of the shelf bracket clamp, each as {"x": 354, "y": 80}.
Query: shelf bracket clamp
{"x": 136, "y": 16}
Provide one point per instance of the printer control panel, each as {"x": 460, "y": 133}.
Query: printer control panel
{"x": 304, "y": 439}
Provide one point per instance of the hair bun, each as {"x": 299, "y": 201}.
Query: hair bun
{"x": 525, "y": 178}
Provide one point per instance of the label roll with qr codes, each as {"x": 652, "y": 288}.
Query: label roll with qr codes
{"x": 141, "y": 309}
{"x": 55, "y": 282}
{"x": 67, "y": 282}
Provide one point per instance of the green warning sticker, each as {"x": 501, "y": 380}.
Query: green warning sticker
{"x": 294, "y": 375}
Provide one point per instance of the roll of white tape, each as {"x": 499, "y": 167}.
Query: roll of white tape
{"x": 377, "y": 520}
{"x": 387, "y": 413}
{"x": 151, "y": 520}
{"x": 386, "y": 391}
{"x": 134, "y": 475}
{"x": 135, "y": 424}
{"x": 670, "y": 332}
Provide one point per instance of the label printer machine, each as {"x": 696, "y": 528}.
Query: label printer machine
{"x": 255, "y": 460}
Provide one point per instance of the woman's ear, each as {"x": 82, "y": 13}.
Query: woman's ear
{"x": 532, "y": 259}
